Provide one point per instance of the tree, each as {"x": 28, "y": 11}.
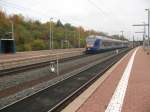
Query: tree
{"x": 34, "y": 35}
{"x": 59, "y": 24}
{"x": 38, "y": 44}
{"x": 69, "y": 27}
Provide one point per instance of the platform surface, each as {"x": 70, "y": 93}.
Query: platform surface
{"x": 124, "y": 88}
{"x": 33, "y": 54}
{"x": 19, "y": 59}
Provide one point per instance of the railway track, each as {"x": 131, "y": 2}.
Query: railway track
{"x": 55, "y": 97}
{"x": 24, "y": 84}
{"x": 36, "y": 65}
{"x": 20, "y": 69}
{"x": 11, "y": 61}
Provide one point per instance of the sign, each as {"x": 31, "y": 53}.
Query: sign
{"x": 54, "y": 67}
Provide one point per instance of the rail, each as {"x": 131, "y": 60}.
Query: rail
{"x": 13, "y": 63}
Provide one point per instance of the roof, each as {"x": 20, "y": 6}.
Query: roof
{"x": 6, "y": 39}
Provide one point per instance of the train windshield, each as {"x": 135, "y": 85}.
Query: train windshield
{"x": 90, "y": 41}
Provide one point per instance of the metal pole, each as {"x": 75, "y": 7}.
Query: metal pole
{"x": 79, "y": 39}
{"x": 66, "y": 39}
{"x": 12, "y": 30}
{"x": 52, "y": 41}
{"x": 50, "y": 34}
{"x": 144, "y": 29}
{"x": 148, "y": 26}
{"x": 133, "y": 41}
{"x": 148, "y": 29}
{"x": 74, "y": 39}
{"x": 144, "y": 34}
{"x": 57, "y": 66}
{"x": 143, "y": 39}
{"x": 122, "y": 37}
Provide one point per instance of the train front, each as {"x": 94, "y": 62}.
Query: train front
{"x": 90, "y": 44}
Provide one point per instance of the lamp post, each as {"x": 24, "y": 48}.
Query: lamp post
{"x": 79, "y": 37}
{"x": 12, "y": 30}
{"x": 50, "y": 34}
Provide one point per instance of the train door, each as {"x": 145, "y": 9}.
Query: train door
{"x": 97, "y": 44}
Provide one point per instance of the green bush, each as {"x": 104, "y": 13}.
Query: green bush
{"x": 33, "y": 35}
{"x": 38, "y": 44}
{"x": 24, "y": 47}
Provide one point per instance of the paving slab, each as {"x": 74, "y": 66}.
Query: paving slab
{"x": 97, "y": 97}
{"x": 137, "y": 97}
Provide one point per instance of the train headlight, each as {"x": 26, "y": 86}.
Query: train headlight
{"x": 89, "y": 46}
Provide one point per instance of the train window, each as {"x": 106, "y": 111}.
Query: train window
{"x": 106, "y": 44}
{"x": 90, "y": 41}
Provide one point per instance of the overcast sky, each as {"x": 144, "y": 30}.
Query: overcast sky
{"x": 109, "y": 16}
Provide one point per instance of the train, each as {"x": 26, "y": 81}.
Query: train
{"x": 97, "y": 44}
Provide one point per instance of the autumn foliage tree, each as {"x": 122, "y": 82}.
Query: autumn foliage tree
{"x": 34, "y": 35}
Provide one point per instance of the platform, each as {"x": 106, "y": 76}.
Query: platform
{"x": 124, "y": 88}
{"x": 8, "y": 61}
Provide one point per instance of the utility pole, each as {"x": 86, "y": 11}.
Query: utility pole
{"x": 144, "y": 34}
{"x": 57, "y": 64}
{"x": 12, "y": 29}
{"x": 66, "y": 39}
{"x": 52, "y": 40}
{"x": 79, "y": 37}
{"x": 148, "y": 26}
{"x": 74, "y": 39}
{"x": 50, "y": 34}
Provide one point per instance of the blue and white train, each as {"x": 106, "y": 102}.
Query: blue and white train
{"x": 96, "y": 44}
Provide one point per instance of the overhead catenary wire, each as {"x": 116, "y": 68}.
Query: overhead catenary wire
{"x": 103, "y": 13}
{"x": 21, "y": 8}
{"x": 25, "y": 10}
{"x": 97, "y": 7}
